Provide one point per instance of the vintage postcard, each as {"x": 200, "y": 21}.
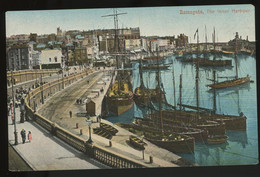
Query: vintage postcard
{"x": 144, "y": 87}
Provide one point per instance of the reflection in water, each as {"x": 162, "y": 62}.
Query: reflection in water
{"x": 239, "y": 137}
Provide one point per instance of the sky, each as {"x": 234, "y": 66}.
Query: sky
{"x": 160, "y": 21}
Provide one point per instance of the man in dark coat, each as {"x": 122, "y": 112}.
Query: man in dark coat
{"x": 23, "y": 135}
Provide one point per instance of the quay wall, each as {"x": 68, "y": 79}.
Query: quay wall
{"x": 27, "y": 75}
{"x": 37, "y": 96}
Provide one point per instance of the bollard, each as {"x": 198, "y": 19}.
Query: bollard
{"x": 110, "y": 143}
{"x": 151, "y": 159}
{"x": 80, "y": 132}
{"x": 77, "y": 125}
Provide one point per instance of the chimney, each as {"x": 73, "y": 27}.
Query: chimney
{"x": 247, "y": 38}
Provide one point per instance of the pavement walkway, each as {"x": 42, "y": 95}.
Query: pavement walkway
{"x": 47, "y": 152}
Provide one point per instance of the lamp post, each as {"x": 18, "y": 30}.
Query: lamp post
{"x": 59, "y": 79}
{"x": 62, "y": 78}
{"x": 144, "y": 148}
{"x": 15, "y": 132}
{"x": 89, "y": 122}
{"x": 41, "y": 85}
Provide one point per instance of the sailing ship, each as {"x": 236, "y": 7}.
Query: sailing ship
{"x": 206, "y": 61}
{"x": 152, "y": 126}
{"x": 231, "y": 122}
{"x": 191, "y": 118}
{"x": 120, "y": 96}
{"x": 142, "y": 95}
{"x": 233, "y": 82}
{"x": 171, "y": 141}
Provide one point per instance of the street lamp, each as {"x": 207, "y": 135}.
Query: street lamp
{"x": 15, "y": 132}
{"x": 59, "y": 79}
{"x": 144, "y": 147}
{"x": 41, "y": 86}
{"x": 89, "y": 122}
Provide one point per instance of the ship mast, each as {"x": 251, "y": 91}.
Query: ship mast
{"x": 141, "y": 74}
{"x": 180, "y": 91}
{"x": 214, "y": 93}
{"x": 214, "y": 43}
{"x": 173, "y": 78}
{"x": 236, "y": 51}
{"x": 160, "y": 94}
{"x": 116, "y": 43}
{"x": 206, "y": 43}
{"x": 197, "y": 73}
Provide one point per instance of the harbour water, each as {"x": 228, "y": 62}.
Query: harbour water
{"x": 241, "y": 147}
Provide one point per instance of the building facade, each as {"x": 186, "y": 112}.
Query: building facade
{"x": 51, "y": 58}
{"x": 19, "y": 57}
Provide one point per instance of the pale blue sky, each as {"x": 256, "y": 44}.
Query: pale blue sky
{"x": 152, "y": 21}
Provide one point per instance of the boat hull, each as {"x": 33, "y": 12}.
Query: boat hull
{"x": 207, "y": 62}
{"x": 230, "y": 83}
{"x": 175, "y": 146}
{"x": 145, "y": 96}
{"x": 182, "y": 118}
{"x": 231, "y": 122}
{"x": 119, "y": 105}
{"x": 197, "y": 134}
{"x": 215, "y": 63}
{"x": 217, "y": 139}
{"x": 137, "y": 143}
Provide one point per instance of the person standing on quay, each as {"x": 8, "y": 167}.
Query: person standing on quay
{"x": 23, "y": 135}
{"x": 70, "y": 114}
{"x": 30, "y": 136}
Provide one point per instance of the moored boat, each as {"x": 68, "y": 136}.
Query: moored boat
{"x": 120, "y": 101}
{"x": 230, "y": 83}
{"x": 109, "y": 128}
{"x": 172, "y": 142}
{"x": 217, "y": 139}
{"x": 142, "y": 95}
{"x": 197, "y": 134}
{"x": 136, "y": 142}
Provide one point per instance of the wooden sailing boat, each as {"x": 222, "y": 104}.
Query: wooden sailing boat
{"x": 234, "y": 82}
{"x": 142, "y": 95}
{"x": 189, "y": 118}
{"x": 151, "y": 57}
{"x": 232, "y": 122}
{"x": 171, "y": 141}
{"x": 207, "y": 62}
{"x": 120, "y": 96}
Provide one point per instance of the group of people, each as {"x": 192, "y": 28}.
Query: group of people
{"x": 23, "y": 135}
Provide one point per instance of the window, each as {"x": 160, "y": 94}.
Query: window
{"x": 49, "y": 59}
{"x": 55, "y": 58}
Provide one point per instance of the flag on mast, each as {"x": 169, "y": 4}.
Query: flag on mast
{"x": 196, "y": 32}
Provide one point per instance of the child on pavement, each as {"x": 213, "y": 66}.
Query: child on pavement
{"x": 30, "y": 136}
